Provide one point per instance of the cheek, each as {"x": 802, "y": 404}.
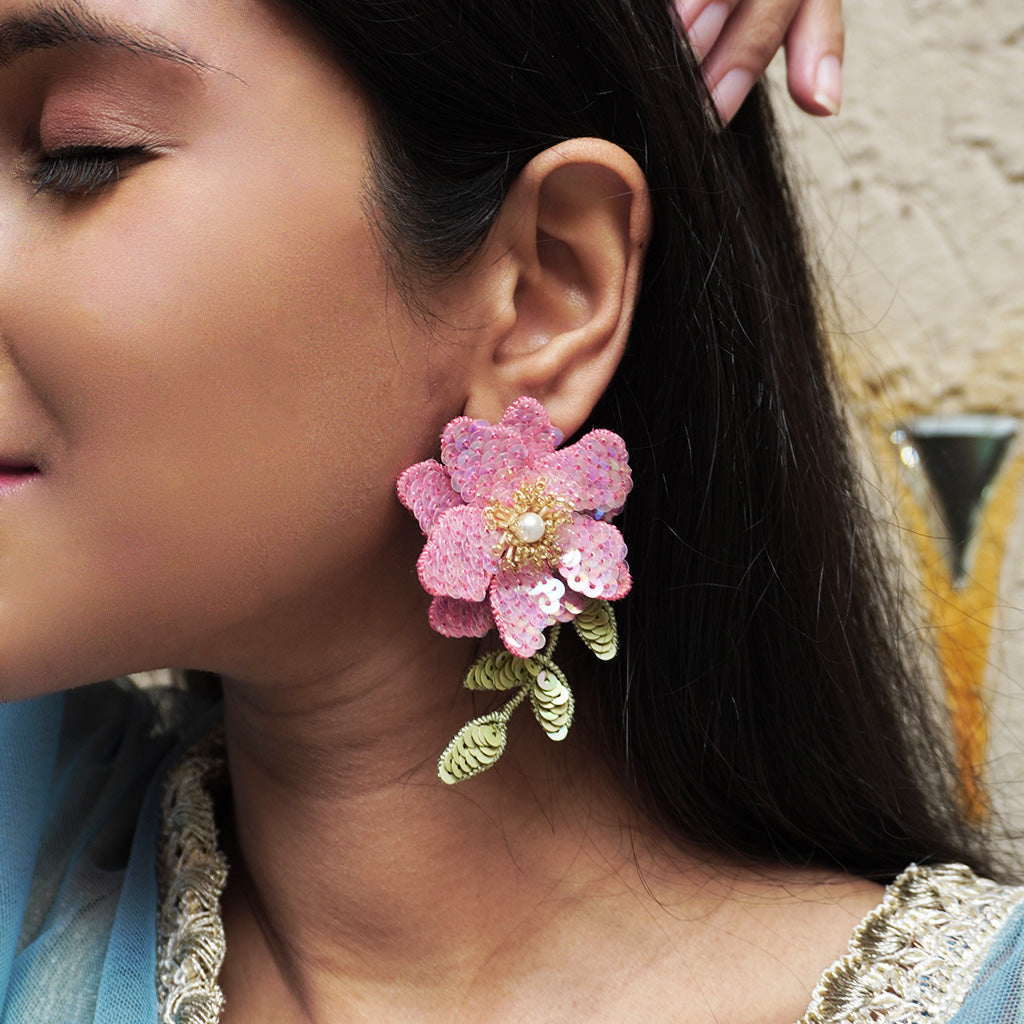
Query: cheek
{"x": 261, "y": 332}
{"x": 230, "y": 394}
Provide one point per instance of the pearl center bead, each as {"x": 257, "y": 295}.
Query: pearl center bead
{"x": 530, "y": 527}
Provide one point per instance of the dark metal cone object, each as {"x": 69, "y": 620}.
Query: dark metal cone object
{"x": 961, "y": 456}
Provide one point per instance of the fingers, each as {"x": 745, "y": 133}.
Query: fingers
{"x": 814, "y": 57}
{"x": 737, "y": 39}
{"x": 703, "y": 22}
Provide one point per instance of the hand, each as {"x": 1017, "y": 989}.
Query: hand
{"x": 736, "y": 39}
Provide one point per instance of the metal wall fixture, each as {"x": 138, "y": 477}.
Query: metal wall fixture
{"x": 957, "y": 459}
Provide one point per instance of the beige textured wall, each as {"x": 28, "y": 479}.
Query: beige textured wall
{"x": 920, "y": 198}
{"x": 917, "y": 199}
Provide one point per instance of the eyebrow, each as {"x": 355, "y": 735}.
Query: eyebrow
{"x": 68, "y": 24}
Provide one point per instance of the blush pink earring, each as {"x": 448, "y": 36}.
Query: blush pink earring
{"x": 519, "y": 538}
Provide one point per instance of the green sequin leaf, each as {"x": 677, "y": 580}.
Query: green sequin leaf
{"x": 597, "y": 629}
{"x": 498, "y": 671}
{"x": 552, "y": 701}
{"x": 476, "y": 746}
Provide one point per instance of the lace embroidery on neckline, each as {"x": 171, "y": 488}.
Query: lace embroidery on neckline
{"x": 192, "y": 874}
{"x": 916, "y": 955}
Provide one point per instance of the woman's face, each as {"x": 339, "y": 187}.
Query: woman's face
{"x": 206, "y": 391}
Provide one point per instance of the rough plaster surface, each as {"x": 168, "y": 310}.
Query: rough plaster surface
{"x": 916, "y": 196}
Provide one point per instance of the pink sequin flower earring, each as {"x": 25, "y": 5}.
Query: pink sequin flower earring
{"x": 519, "y": 538}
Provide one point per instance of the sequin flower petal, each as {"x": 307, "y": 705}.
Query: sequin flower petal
{"x": 524, "y": 605}
{"x": 488, "y": 461}
{"x": 593, "y": 473}
{"x": 600, "y": 570}
{"x": 426, "y": 491}
{"x": 459, "y": 559}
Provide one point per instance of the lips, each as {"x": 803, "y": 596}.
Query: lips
{"x": 15, "y": 473}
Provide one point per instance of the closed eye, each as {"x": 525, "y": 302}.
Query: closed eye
{"x": 82, "y": 170}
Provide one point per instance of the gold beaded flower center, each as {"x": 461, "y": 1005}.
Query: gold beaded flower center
{"x": 529, "y": 527}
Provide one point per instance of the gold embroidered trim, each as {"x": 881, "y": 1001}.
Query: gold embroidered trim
{"x": 916, "y": 955}
{"x": 192, "y": 873}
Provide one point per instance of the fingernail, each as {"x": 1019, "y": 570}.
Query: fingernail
{"x": 828, "y": 84}
{"x": 708, "y": 27}
{"x": 731, "y": 91}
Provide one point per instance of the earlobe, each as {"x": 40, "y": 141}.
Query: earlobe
{"x": 564, "y": 263}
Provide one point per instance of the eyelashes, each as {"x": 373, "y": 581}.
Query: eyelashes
{"x": 83, "y": 170}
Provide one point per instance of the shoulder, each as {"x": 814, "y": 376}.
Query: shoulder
{"x": 76, "y": 768}
{"x": 80, "y": 784}
{"x": 90, "y": 747}
{"x": 943, "y": 945}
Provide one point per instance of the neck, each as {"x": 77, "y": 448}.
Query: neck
{"x": 362, "y": 887}
{"x": 353, "y": 855}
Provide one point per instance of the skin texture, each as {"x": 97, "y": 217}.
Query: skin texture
{"x": 218, "y": 384}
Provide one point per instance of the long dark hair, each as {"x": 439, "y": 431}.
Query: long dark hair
{"x": 765, "y": 702}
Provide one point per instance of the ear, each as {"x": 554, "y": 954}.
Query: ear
{"x": 557, "y": 283}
